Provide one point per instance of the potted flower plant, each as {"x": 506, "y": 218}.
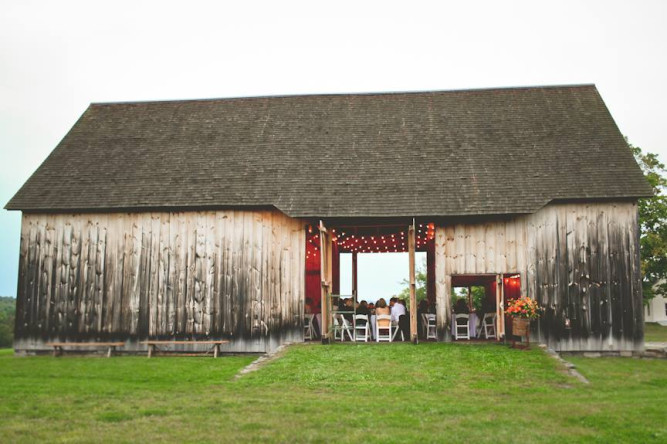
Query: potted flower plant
{"x": 523, "y": 311}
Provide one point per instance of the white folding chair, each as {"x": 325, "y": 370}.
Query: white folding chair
{"x": 361, "y": 328}
{"x": 383, "y": 324}
{"x": 308, "y": 327}
{"x": 345, "y": 327}
{"x": 431, "y": 329}
{"x": 462, "y": 329}
{"x": 337, "y": 330}
{"x": 489, "y": 325}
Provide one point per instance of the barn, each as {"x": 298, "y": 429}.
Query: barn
{"x": 226, "y": 218}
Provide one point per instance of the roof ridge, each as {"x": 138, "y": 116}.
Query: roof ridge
{"x": 342, "y": 94}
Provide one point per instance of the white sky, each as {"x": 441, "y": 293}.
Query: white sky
{"x": 57, "y": 57}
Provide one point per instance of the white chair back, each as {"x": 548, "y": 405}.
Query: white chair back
{"x": 337, "y": 330}
{"x": 431, "y": 329}
{"x": 489, "y": 325}
{"x": 361, "y": 328}
{"x": 308, "y": 326}
{"x": 383, "y": 328}
{"x": 462, "y": 328}
{"x": 345, "y": 328}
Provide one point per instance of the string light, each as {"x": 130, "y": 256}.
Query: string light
{"x": 373, "y": 243}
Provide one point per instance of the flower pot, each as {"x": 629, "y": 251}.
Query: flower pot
{"x": 520, "y": 326}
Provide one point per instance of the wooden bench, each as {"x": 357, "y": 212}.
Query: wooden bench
{"x": 153, "y": 345}
{"x": 58, "y": 346}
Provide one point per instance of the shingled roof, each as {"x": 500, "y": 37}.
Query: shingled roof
{"x": 472, "y": 152}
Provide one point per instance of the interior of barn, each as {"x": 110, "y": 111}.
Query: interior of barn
{"x": 348, "y": 311}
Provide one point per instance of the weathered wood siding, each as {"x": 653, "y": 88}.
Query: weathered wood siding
{"x": 131, "y": 276}
{"x": 581, "y": 262}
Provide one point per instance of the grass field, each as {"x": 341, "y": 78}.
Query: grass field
{"x": 654, "y": 332}
{"x": 343, "y": 393}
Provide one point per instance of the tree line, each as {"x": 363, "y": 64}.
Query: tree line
{"x": 7, "y": 313}
{"x": 653, "y": 229}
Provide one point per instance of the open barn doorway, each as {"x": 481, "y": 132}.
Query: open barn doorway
{"x": 350, "y": 270}
{"x": 477, "y": 302}
{"x": 384, "y": 278}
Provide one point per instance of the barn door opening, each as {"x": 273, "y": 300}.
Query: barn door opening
{"x": 331, "y": 249}
{"x": 477, "y": 297}
{"x": 481, "y": 296}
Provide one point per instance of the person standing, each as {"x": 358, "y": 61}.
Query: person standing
{"x": 398, "y": 310}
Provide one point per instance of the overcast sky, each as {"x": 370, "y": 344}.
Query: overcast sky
{"x": 57, "y": 57}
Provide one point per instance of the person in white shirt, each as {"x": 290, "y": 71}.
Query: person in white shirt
{"x": 398, "y": 310}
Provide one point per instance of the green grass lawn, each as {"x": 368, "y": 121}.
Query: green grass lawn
{"x": 654, "y": 332}
{"x": 343, "y": 393}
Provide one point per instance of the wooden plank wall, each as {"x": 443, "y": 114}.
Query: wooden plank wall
{"x": 581, "y": 262}
{"x": 138, "y": 275}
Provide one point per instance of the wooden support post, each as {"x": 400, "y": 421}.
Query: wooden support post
{"x": 354, "y": 275}
{"x": 150, "y": 350}
{"x": 216, "y": 350}
{"x": 413, "y": 294}
{"x": 500, "y": 312}
{"x": 325, "y": 276}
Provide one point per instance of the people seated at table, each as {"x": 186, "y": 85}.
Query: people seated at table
{"x": 363, "y": 309}
{"x": 487, "y": 307}
{"x": 461, "y": 306}
{"x": 382, "y": 325}
{"x": 381, "y": 307}
{"x": 399, "y": 315}
{"x": 397, "y": 309}
{"x": 422, "y": 307}
{"x": 348, "y": 308}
